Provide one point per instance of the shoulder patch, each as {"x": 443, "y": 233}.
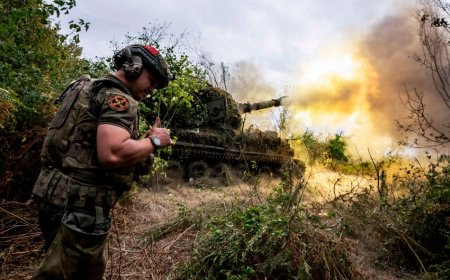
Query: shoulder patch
{"x": 118, "y": 103}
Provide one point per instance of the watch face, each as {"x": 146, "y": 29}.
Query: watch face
{"x": 156, "y": 141}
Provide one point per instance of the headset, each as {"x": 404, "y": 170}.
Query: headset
{"x": 131, "y": 60}
{"x": 131, "y": 64}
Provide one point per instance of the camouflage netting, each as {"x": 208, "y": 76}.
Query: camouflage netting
{"x": 265, "y": 142}
{"x": 211, "y": 108}
{"x": 200, "y": 137}
{"x": 232, "y": 118}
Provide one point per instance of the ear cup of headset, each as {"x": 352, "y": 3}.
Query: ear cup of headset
{"x": 133, "y": 67}
{"x": 129, "y": 63}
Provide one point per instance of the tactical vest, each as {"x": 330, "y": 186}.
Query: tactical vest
{"x": 70, "y": 144}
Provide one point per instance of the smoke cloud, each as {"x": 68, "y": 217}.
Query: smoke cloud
{"x": 353, "y": 88}
{"x": 391, "y": 49}
{"x": 366, "y": 106}
{"x": 248, "y": 85}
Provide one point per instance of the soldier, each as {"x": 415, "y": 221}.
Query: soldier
{"x": 89, "y": 158}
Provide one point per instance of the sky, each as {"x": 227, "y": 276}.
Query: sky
{"x": 276, "y": 36}
{"x": 343, "y": 63}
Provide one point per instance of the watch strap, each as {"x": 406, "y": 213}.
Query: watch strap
{"x": 155, "y": 146}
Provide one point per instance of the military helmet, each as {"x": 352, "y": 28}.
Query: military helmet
{"x": 133, "y": 58}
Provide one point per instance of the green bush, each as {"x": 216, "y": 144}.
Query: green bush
{"x": 265, "y": 241}
{"x": 336, "y": 148}
{"x": 413, "y": 221}
{"x": 316, "y": 149}
{"x": 36, "y": 61}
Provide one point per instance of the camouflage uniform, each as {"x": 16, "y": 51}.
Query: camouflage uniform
{"x": 73, "y": 192}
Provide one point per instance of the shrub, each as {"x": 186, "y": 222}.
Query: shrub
{"x": 267, "y": 240}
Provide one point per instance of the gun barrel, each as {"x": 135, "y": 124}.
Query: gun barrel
{"x": 248, "y": 107}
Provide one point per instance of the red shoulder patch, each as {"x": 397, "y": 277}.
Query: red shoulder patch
{"x": 118, "y": 103}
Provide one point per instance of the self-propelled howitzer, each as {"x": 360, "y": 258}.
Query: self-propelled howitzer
{"x": 219, "y": 139}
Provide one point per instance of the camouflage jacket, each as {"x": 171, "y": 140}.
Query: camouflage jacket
{"x": 70, "y": 145}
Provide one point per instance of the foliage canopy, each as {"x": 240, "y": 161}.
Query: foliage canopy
{"x": 35, "y": 60}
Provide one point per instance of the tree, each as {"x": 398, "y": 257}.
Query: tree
{"x": 217, "y": 74}
{"x": 315, "y": 148}
{"x": 35, "y": 60}
{"x": 336, "y": 148}
{"x": 434, "y": 35}
{"x": 426, "y": 222}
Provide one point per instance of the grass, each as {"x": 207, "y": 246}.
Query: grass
{"x": 273, "y": 239}
{"x": 257, "y": 232}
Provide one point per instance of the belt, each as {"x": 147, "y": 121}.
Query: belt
{"x": 90, "y": 177}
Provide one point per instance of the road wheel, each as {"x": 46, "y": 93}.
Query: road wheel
{"x": 242, "y": 169}
{"x": 265, "y": 171}
{"x": 197, "y": 169}
{"x": 217, "y": 170}
{"x": 174, "y": 169}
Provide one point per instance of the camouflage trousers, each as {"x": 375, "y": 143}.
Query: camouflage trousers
{"x": 78, "y": 249}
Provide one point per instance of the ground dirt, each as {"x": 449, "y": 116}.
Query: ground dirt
{"x": 133, "y": 255}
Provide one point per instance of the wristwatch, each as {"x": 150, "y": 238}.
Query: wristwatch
{"x": 156, "y": 142}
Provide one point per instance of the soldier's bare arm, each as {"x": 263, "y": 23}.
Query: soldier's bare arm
{"x": 115, "y": 148}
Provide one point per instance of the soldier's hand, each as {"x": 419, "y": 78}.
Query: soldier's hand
{"x": 162, "y": 133}
{"x": 157, "y": 122}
